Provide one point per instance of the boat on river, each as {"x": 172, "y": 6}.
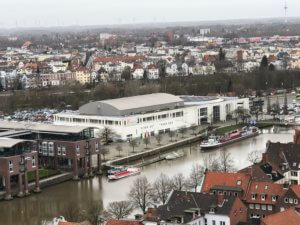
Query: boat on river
{"x": 237, "y": 135}
{"x": 126, "y": 173}
{"x": 174, "y": 155}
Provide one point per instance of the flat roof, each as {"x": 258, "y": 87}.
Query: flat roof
{"x": 38, "y": 127}
{"x": 9, "y": 142}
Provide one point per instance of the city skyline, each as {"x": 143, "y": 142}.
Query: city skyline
{"x": 33, "y": 13}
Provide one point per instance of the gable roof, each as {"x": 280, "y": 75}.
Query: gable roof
{"x": 263, "y": 188}
{"x": 296, "y": 189}
{"x": 122, "y": 222}
{"x": 217, "y": 179}
{"x": 288, "y": 217}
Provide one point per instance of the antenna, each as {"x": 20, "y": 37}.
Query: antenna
{"x": 285, "y": 11}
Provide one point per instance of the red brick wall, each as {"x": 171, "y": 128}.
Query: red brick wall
{"x": 238, "y": 212}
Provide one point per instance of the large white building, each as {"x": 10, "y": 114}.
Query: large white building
{"x": 151, "y": 114}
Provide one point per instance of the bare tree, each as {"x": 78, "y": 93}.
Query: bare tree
{"x": 72, "y": 212}
{"x": 140, "y": 193}
{"x": 104, "y": 152}
{"x": 146, "y": 141}
{"x": 161, "y": 188}
{"x": 182, "y": 131}
{"x": 196, "y": 175}
{"x": 120, "y": 209}
{"x": 194, "y": 128}
{"x": 211, "y": 162}
{"x": 119, "y": 149}
{"x": 133, "y": 144}
{"x": 158, "y": 138}
{"x": 254, "y": 157}
{"x": 179, "y": 182}
{"x": 226, "y": 161}
{"x": 171, "y": 134}
{"x": 93, "y": 213}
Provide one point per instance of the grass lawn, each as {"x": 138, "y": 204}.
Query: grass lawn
{"x": 44, "y": 173}
{"x": 224, "y": 130}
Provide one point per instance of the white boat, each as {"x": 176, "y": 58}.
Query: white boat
{"x": 174, "y": 155}
{"x": 125, "y": 173}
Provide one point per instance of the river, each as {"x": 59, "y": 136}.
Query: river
{"x": 53, "y": 200}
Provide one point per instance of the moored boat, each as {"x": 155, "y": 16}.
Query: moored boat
{"x": 237, "y": 135}
{"x": 174, "y": 155}
{"x": 125, "y": 173}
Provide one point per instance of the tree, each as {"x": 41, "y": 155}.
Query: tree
{"x": 104, "y": 152}
{"x": 145, "y": 75}
{"x": 171, "y": 134}
{"x": 120, "y": 209}
{"x": 133, "y": 144}
{"x": 126, "y": 73}
{"x": 147, "y": 141}
{"x": 119, "y": 149}
{"x": 254, "y": 157}
{"x": 179, "y": 182}
{"x": 161, "y": 188}
{"x": 158, "y": 138}
{"x": 264, "y": 63}
{"x": 141, "y": 193}
{"x": 194, "y": 128}
{"x": 72, "y": 212}
{"x": 182, "y": 130}
{"x": 196, "y": 175}
{"x": 226, "y": 162}
{"x": 222, "y": 54}
{"x": 107, "y": 134}
{"x": 211, "y": 162}
{"x": 93, "y": 213}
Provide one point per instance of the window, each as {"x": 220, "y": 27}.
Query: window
{"x": 58, "y": 149}
{"x": 235, "y": 194}
{"x": 77, "y": 149}
{"x": 212, "y": 210}
{"x": 274, "y": 198}
{"x": 263, "y": 207}
{"x": 291, "y": 201}
{"x": 97, "y": 146}
{"x": 263, "y": 197}
{"x": 203, "y": 112}
{"x": 205, "y": 221}
{"x": 253, "y": 196}
{"x": 63, "y": 149}
{"x": 270, "y": 207}
{"x": 251, "y": 206}
{"x": 294, "y": 173}
{"x": 222, "y": 222}
{"x": 257, "y": 206}
{"x": 33, "y": 161}
{"x": 296, "y": 201}
{"x": 11, "y": 166}
{"x": 286, "y": 200}
{"x": 213, "y": 222}
{"x": 239, "y": 182}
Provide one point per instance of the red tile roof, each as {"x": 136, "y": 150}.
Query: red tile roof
{"x": 296, "y": 189}
{"x": 263, "y": 188}
{"x": 118, "y": 59}
{"x": 288, "y": 217}
{"x": 123, "y": 222}
{"x": 225, "y": 179}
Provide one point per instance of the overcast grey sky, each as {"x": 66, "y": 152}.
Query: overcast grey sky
{"x": 25, "y": 13}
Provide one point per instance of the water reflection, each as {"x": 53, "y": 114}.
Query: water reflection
{"x": 53, "y": 200}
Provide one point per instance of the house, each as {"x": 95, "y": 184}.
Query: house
{"x": 289, "y": 199}
{"x": 288, "y": 217}
{"x": 138, "y": 71}
{"x": 83, "y": 75}
{"x": 261, "y": 198}
{"x": 195, "y": 208}
{"x": 153, "y": 72}
{"x": 230, "y": 184}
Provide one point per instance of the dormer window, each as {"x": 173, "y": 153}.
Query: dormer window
{"x": 274, "y": 198}
{"x": 296, "y": 201}
{"x": 253, "y": 196}
{"x": 263, "y": 197}
{"x": 266, "y": 187}
{"x": 212, "y": 210}
{"x": 239, "y": 182}
{"x": 286, "y": 200}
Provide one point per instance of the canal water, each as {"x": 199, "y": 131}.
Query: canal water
{"x": 54, "y": 200}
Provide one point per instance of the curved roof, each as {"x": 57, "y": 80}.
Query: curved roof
{"x": 9, "y": 142}
{"x": 132, "y": 105}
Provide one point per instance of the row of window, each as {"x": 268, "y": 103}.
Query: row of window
{"x": 11, "y": 164}
{"x": 261, "y": 206}
{"x": 291, "y": 201}
{"x": 264, "y": 197}
{"x": 225, "y": 193}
